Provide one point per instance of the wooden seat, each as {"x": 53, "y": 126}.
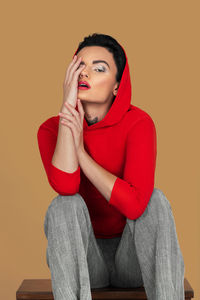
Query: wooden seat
{"x": 41, "y": 289}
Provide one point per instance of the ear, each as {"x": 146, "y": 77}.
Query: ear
{"x": 115, "y": 89}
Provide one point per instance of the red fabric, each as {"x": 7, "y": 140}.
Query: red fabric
{"x": 125, "y": 144}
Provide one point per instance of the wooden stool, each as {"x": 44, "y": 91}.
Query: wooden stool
{"x": 33, "y": 289}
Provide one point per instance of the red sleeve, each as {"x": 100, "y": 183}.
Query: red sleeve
{"x": 62, "y": 182}
{"x": 131, "y": 194}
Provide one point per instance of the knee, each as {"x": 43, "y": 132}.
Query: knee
{"x": 157, "y": 216}
{"x": 158, "y": 204}
{"x": 66, "y": 204}
{"x": 63, "y": 210}
{"x": 160, "y": 197}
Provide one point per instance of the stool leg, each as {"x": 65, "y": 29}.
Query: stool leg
{"x": 75, "y": 262}
{"x": 158, "y": 250}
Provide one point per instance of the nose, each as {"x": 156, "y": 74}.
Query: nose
{"x": 83, "y": 73}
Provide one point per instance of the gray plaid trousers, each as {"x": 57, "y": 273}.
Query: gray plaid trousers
{"x": 147, "y": 254}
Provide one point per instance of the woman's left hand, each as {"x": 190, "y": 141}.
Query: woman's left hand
{"x": 75, "y": 123}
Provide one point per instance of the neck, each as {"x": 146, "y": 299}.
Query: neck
{"x": 95, "y": 112}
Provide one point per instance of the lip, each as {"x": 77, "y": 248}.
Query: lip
{"x": 83, "y": 87}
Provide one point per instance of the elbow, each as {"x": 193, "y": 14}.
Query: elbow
{"x": 138, "y": 206}
{"x": 64, "y": 183}
{"x": 131, "y": 200}
{"x": 65, "y": 190}
{"x": 135, "y": 213}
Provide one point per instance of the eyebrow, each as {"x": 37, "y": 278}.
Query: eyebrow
{"x": 98, "y": 61}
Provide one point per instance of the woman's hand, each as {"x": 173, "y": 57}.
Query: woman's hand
{"x": 75, "y": 123}
{"x": 70, "y": 84}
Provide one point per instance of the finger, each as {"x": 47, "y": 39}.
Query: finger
{"x": 76, "y": 74}
{"x": 67, "y": 124}
{"x": 74, "y": 112}
{"x": 80, "y": 108}
{"x": 69, "y": 68}
{"x": 75, "y": 67}
{"x": 72, "y": 126}
{"x": 67, "y": 117}
{"x": 72, "y": 119}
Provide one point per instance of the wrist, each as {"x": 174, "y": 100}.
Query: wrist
{"x": 80, "y": 152}
{"x": 65, "y": 110}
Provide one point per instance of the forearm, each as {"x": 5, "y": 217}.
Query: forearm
{"x": 65, "y": 157}
{"x": 100, "y": 177}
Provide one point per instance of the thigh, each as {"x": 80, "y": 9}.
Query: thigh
{"x": 127, "y": 271}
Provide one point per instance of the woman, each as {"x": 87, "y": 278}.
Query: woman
{"x": 108, "y": 225}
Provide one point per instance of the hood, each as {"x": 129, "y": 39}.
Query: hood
{"x": 120, "y": 105}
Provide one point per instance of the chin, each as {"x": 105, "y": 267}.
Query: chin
{"x": 83, "y": 97}
{"x": 86, "y": 98}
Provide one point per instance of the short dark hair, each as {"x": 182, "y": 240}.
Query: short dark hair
{"x": 111, "y": 44}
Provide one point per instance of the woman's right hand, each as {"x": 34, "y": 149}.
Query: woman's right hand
{"x": 70, "y": 84}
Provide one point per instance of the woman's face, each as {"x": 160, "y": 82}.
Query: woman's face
{"x": 101, "y": 76}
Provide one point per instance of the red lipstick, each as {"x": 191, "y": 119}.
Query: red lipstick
{"x": 83, "y": 85}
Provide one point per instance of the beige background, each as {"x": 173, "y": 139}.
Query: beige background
{"x": 38, "y": 40}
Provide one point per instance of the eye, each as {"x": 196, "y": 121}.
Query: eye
{"x": 100, "y": 69}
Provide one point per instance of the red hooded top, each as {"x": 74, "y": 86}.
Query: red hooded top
{"x": 124, "y": 143}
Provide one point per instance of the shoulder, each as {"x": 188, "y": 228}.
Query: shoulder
{"x": 141, "y": 129}
{"x": 136, "y": 114}
{"x": 51, "y": 124}
{"x": 139, "y": 120}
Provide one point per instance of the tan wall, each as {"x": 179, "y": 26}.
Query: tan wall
{"x": 37, "y": 43}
